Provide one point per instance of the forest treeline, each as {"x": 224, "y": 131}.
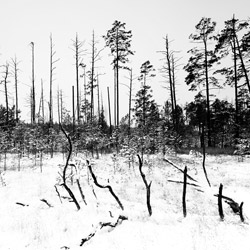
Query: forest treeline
{"x": 217, "y": 59}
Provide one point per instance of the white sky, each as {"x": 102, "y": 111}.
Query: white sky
{"x": 23, "y": 21}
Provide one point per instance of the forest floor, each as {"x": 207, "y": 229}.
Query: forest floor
{"x": 27, "y": 222}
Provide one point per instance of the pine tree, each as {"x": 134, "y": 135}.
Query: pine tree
{"x": 119, "y": 42}
{"x": 200, "y": 62}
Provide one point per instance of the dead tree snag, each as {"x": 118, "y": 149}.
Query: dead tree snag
{"x": 102, "y": 186}
{"x": 64, "y": 184}
{"x": 184, "y": 193}
{"x": 220, "y": 202}
{"x": 148, "y": 186}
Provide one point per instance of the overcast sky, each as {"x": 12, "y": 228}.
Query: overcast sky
{"x": 25, "y": 21}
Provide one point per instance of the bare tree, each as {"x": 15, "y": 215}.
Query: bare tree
{"x": 5, "y": 82}
{"x": 15, "y": 73}
{"x": 51, "y": 78}
{"x": 78, "y": 51}
{"x": 58, "y": 106}
{"x": 168, "y": 70}
{"x": 33, "y": 98}
{"x": 41, "y": 105}
{"x": 95, "y": 56}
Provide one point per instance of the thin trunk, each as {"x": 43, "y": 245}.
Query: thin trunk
{"x": 115, "y": 98}
{"x": 130, "y": 101}
{"x": 85, "y": 94}
{"x": 117, "y": 79}
{"x": 208, "y": 99}
{"x": 16, "y": 90}
{"x": 110, "y": 125}
{"x": 184, "y": 193}
{"x": 174, "y": 93}
{"x": 235, "y": 84}
{"x": 92, "y": 78}
{"x": 33, "y": 111}
{"x": 240, "y": 56}
{"x": 50, "y": 83}
{"x": 98, "y": 98}
{"x": 6, "y": 92}
{"x": 58, "y": 106}
{"x": 77, "y": 80}
{"x": 42, "y": 97}
{"x": 61, "y": 103}
{"x": 73, "y": 107}
{"x": 169, "y": 69}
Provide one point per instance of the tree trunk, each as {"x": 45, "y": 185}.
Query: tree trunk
{"x": 208, "y": 98}
{"x": 33, "y": 98}
{"x": 92, "y": 79}
{"x": 73, "y": 107}
{"x": 184, "y": 193}
{"x": 77, "y": 80}
{"x": 110, "y": 126}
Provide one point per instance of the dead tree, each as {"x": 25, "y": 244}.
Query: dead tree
{"x": 220, "y": 208}
{"x": 5, "y": 82}
{"x": 41, "y": 105}
{"x": 101, "y": 225}
{"x": 95, "y": 56}
{"x": 15, "y": 73}
{"x": 102, "y": 186}
{"x": 78, "y": 182}
{"x": 51, "y": 79}
{"x": 148, "y": 186}
{"x": 184, "y": 193}
{"x": 110, "y": 125}
{"x": 235, "y": 206}
{"x": 33, "y": 96}
{"x": 77, "y": 48}
{"x": 64, "y": 184}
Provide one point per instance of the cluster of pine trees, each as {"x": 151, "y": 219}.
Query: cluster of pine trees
{"x": 217, "y": 59}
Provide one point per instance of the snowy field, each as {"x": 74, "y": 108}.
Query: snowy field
{"x": 28, "y": 222}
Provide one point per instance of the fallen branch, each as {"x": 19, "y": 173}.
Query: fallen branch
{"x": 81, "y": 192}
{"x": 46, "y": 202}
{"x": 148, "y": 186}
{"x": 78, "y": 182}
{"x": 22, "y": 204}
{"x": 58, "y": 194}
{"x": 171, "y": 163}
{"x": 102, "y": 186}
{"x": 181, "y": 182}
{"x": 102, "y": 225}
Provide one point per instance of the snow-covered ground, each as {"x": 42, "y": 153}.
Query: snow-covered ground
{"x": 35, "y": 225}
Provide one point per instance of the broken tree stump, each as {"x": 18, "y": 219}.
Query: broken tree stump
{"x": 102, "y": 186}
{"x": 148, "y": 186}
{"x": 220, "y": 208}
{"x": 184, "y": 192}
